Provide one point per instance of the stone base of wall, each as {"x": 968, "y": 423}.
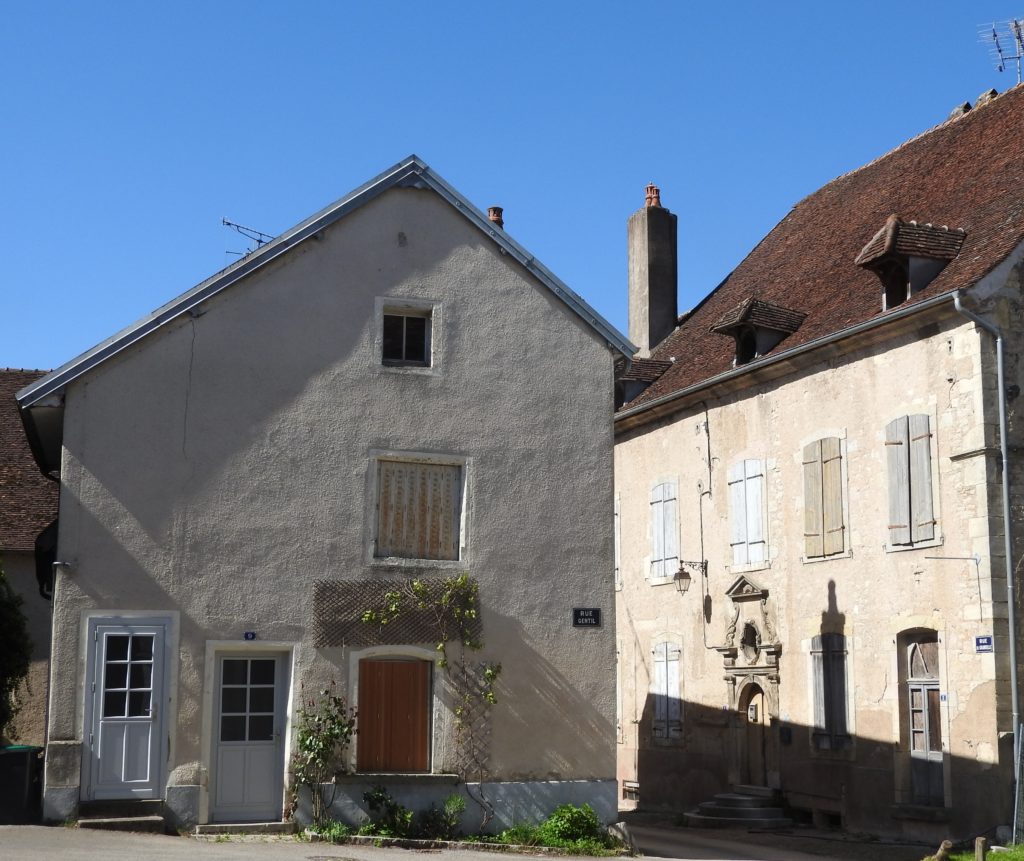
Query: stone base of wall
{"x": 513, "y": 801}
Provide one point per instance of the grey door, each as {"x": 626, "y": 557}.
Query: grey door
{"x": 249, "y": 752}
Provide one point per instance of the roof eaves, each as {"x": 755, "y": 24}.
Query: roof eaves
{"x": 732, "y": 373}
{"x": 398, "y": 175}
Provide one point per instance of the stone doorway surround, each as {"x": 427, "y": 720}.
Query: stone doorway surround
{"x": 750, "y": 657}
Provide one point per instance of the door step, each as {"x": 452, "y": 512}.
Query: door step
{"x": 146, "y": 824}
{"x": 132, "y": 814}
{"x": 216, "y": 828}
{"x": 745, "y": 807}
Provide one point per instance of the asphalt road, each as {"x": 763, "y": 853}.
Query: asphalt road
{"x": 36, "y": 843}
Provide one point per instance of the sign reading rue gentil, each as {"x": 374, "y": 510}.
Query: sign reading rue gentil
{"x": 586, "y": 617}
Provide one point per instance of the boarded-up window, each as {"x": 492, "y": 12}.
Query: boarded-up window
{"x": 828, "y": 664}
{"x": 668, "y": 706}
{"x": 823, "y": 498}
{"x": 664, "y": 531}
{"x": 909, "y": 456}
{"x": 394, "y": 716}
{"x": 418, "y": 510}
{"x": 746, "y": 512}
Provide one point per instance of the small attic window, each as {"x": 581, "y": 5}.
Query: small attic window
{"x": 758, "y": 327}
{"x": 907, "y": 256}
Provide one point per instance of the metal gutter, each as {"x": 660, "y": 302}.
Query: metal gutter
{"x": 411, "y": 171}
{"x": 786, "y": 355}
{"x": 1011, "y": 589}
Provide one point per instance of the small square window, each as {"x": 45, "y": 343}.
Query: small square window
{"x": 406, "y": 339}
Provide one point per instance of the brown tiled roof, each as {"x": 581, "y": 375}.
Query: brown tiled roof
{"x": 28, "y": 501}
{"x": 645, "y": 370}
{"x": 967, "y": 172}
{"x": 754, "y": 312}
{"x": 910, "y": 239}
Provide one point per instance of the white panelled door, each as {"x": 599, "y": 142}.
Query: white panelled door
{"x": 248, "y": 746}
{"x": 125, "y": 709}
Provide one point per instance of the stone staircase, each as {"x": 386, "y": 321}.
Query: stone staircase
{"x": 745, "y": 807}
{"x": 134, "y": 815}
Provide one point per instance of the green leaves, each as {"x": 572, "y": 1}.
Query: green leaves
{"x": 15, "y": 655}
{"x": 325, "y": 726}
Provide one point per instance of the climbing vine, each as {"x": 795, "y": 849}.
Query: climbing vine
{"x": 453, "y": 606}
{"x": 325, "y": 728}
{"x": 15, "y": 655}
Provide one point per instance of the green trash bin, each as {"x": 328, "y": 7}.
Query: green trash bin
{"x": 21, "y": 784}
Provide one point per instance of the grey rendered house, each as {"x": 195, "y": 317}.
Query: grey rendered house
{"x": 393, "y": 389}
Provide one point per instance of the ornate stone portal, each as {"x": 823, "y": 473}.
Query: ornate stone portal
{"x": 752, "y": 683}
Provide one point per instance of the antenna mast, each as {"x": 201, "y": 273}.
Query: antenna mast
{"x": 1006, "y": 43}
{"x": 258, "y": 237}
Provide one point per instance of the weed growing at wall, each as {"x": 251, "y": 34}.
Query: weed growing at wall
{"x": 325, "y": 728}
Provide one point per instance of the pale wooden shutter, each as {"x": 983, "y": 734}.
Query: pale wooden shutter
{"x": 671, "y": 525}
{"x": 674, "y": 703}
{"x": 814, "y": 540}
{"x": 832, "y": 495}
{"x": 898, "y": 460}
{"x": 618, "y": 549}
{"x": 658, "y": 531}
{"x": 737, "y": 514}
{"x": 818, "y": 678}
{"x": 659, "y": 684}
{"x": 754, "y": 504}
{"x": 418, "y": 510}
{"x": 922, "y": 514}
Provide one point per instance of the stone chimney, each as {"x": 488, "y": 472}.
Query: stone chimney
{"x": 652, "y": 273}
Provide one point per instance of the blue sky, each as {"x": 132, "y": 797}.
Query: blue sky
{"x": 131, "y": 129}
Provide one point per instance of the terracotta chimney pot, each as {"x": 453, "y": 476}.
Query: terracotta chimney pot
{"x": 494, "y": 214}
{"x": 653, "y": 195}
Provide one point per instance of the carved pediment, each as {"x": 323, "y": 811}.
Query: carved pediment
{"x": 745, "y": 589}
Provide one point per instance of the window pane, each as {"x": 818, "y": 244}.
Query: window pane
{"x": 262, "y": 673}
{"x": 916, "y": 698}
{"x": 917, "y": 720}
{"x": 261, "y": 728}
{"x": 416, "y": 339}
{"x": 393, "y": 326}
{"x": 117, "y": 676}
{"x": 232, "y": 700}
{"x": 113, "y": 704}
{"x": 138, "y": 703}
{"x": 117, "y": 647}
{"x": 261, "y": 699}
{"x": 934, "y": 724}
{"x": 142, "y": 647}
{"x": 142, "y": 674}
{"x": 235, "y": 672}
{"x": 917, "y": 741}
{"x": 232, "y": 729}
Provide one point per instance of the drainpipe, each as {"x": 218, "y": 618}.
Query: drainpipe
{"x": 1011, "y": 594}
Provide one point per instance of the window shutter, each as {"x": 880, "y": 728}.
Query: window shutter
{"x": 671, "y": 525}
{"x": 658, "y": 531}
{"x": 922, "y": 514}
{"x": 832, "y": 495}
{"x": 835, "y": 654}
{"x": 818, "y": 678}
{"x": 659, "y": 684}
{"x": 737, "y": 514}
{"x": 754, "y": 487}
{"x": 814, "y": 541}
{"x": 674, "y": 708}
{"x": 898, "y": 460}
{"x": 418, "y": 510}
{"x": 618, "y": 552}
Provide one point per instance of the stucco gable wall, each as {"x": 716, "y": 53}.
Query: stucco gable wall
{"x": 224, "y": 464}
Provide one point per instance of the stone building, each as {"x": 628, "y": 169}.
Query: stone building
{"x": 392, "y": 390}
{"x": 812, "y": 565}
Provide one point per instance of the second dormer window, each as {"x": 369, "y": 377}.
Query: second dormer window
{"x": 758, "y": 327}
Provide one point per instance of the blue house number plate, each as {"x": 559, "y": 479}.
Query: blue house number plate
{"x": 249, "y": 635}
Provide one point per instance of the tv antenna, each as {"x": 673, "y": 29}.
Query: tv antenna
{"x": 257, "y": 237}
{"x": 1006, "y": 43}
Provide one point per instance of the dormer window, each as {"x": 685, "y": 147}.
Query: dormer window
{"x": 907, "y": 257}
{"x": 758, "y": 327}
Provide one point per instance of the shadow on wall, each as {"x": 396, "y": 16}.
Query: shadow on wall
{"x": 839, "y": 778}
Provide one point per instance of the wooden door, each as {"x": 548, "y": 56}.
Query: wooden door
{"x": 394, "y": 716}
{"x": 756, "y": 721}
